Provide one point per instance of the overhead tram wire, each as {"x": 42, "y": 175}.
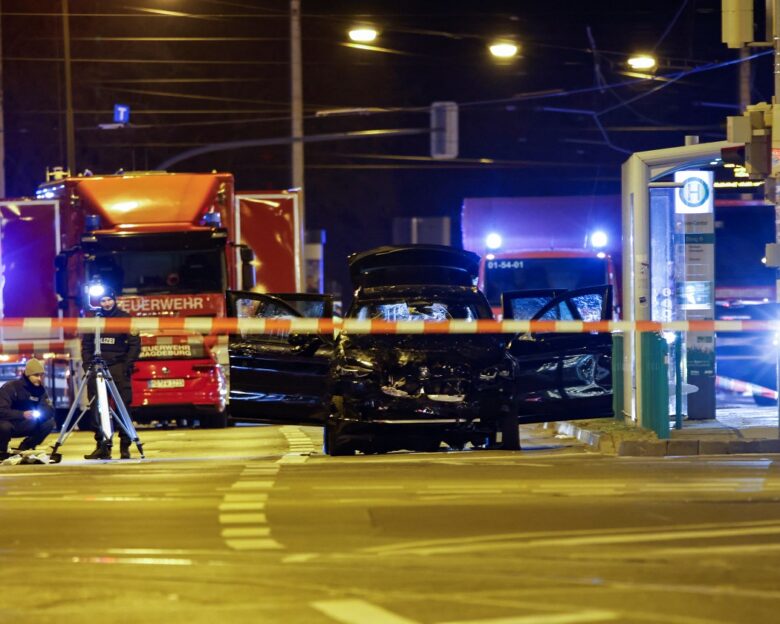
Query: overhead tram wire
{"x": 534, "y": 96}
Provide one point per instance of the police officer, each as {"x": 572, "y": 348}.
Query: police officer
{"x": 25, "y": 410}
{"x": 119, "y": 352}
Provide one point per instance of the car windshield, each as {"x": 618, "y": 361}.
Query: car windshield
{"x": 170, "y": 271}
{"x": 502, "y": 275}
{"x": 413, "y": 310}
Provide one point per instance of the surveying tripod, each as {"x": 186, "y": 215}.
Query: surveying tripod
{"x": 104, "y": 385}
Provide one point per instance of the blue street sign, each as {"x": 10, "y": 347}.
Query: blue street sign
{"x": 121, "y": 113}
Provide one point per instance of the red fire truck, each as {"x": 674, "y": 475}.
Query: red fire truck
{"x": 168, "y": 244}
{"x": 530, "y": 243}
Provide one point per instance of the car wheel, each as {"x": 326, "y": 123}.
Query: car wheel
{"x": 334, "y": 443}
{"x": 510, "y": 432}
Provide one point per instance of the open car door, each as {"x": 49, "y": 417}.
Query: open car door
{"x": 562, "y": 376}
{"x": 280, "y": 377}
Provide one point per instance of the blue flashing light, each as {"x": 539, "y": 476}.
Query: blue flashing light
{"x": 493, "y": 240}
{"x": 599, "y": 239}
{"x": 91, "y": 222}
{"x": 212, "y": 219}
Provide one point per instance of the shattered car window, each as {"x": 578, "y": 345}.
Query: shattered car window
{"x": 416, "y": 311}
{"x": 558, "y": 312}
{"x": 524, "y": 309}
{"x": 256, "y": 308}
{"x": 589, "y": 306}
{"x": 309, "y": 309}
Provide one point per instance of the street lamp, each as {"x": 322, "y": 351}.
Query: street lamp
{"x": 641, "y": 61}
{"x": 503, "y": 49}
{"x": 363, "y": 34}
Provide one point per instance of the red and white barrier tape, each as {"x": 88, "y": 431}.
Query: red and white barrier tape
{"x": 744, "y": 387}
{"x": 29, "y": 347}
{"x": 353, "y": 326}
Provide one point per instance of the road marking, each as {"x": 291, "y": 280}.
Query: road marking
{"x": 246, "y": 532}
{"x": 252, "y": 484}
{"x": 549, "y": 618}
{"x": 248, "y": 506}
{"x": 358, "y": 612}
{"x": 245, "y": 497}
{"x": 243, "y": 519}
{"x": 253, "y": 544}
{"x": 588, "y": 537}
{"x": 355, "y": 611}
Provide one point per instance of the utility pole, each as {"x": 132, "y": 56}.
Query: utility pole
{"x": 296, "y": 110}
{"x": 2, "y": 126}
{"x": 70, "y": 132}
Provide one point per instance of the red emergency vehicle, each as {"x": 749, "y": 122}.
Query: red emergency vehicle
{"x": 168, "y": 244}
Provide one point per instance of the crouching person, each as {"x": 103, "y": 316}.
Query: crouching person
{"x": 25, "y": 410}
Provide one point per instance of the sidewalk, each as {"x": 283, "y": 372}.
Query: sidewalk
{"x": 735, "y": 431}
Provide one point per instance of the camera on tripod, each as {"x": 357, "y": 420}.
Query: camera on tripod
{"x": 104, "y": 390}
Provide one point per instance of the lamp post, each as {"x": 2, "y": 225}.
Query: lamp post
{"x": 70, "y": 132}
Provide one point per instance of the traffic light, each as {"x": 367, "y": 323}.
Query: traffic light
{"x": 754, "y": 129}
{"x": 444, "y": 130}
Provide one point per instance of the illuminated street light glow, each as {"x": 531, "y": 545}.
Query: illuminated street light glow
{"x": 503, "y": 49}
{"x": 641, "y": 61}
{"x": 363, "y": 34}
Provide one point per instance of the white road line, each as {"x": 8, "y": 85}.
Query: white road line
{"x": 245, "y": 497}
{"x": 627, "y": 534}
{"x": 242, "y": 518}
{"x": 353, "y": 611}
{"x": 253, "y": 544}
{"x": 253, "y": 484}
{"x": 551, "y": 618}
{"x": 253, "y": 506}
{"x": 246, "y": 532}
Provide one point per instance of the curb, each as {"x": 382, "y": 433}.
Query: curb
{"x": 612, "y": 444}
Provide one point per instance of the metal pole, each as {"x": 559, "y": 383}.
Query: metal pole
{"x": 70, "y": 132}
{"x": 744, "y": 80}
{"x": 775, "y": 170}
{"x": 678, "y": 380}
{"x": 296, "y": 105}
{"x": 2, "y": 128}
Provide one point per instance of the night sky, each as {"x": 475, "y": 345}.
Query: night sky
{"x": 558, "y": 120}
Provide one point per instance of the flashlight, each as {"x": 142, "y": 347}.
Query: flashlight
{"x": 36, "y": 413}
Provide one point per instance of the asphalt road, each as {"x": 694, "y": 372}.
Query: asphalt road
{"x": 254, "y": 524}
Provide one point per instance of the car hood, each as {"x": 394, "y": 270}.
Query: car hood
{"x": 413, "y": 264}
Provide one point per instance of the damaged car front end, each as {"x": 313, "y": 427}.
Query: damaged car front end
{"x": 414, "y": 392}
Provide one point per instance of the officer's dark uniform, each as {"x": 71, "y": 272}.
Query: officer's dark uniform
{"x": 17, "y": 397}
{"x": 119, "y": 351}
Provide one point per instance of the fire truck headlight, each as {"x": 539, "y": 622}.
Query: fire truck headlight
{"x": 493, "y": 240}
{"x": 599, "y": 239}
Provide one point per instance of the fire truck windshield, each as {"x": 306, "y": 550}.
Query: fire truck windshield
{"x": 507, "y": 274}
{"x": 153, "y": 272}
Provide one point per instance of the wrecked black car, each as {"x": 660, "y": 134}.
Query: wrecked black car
{"x": 381, "y": 392}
